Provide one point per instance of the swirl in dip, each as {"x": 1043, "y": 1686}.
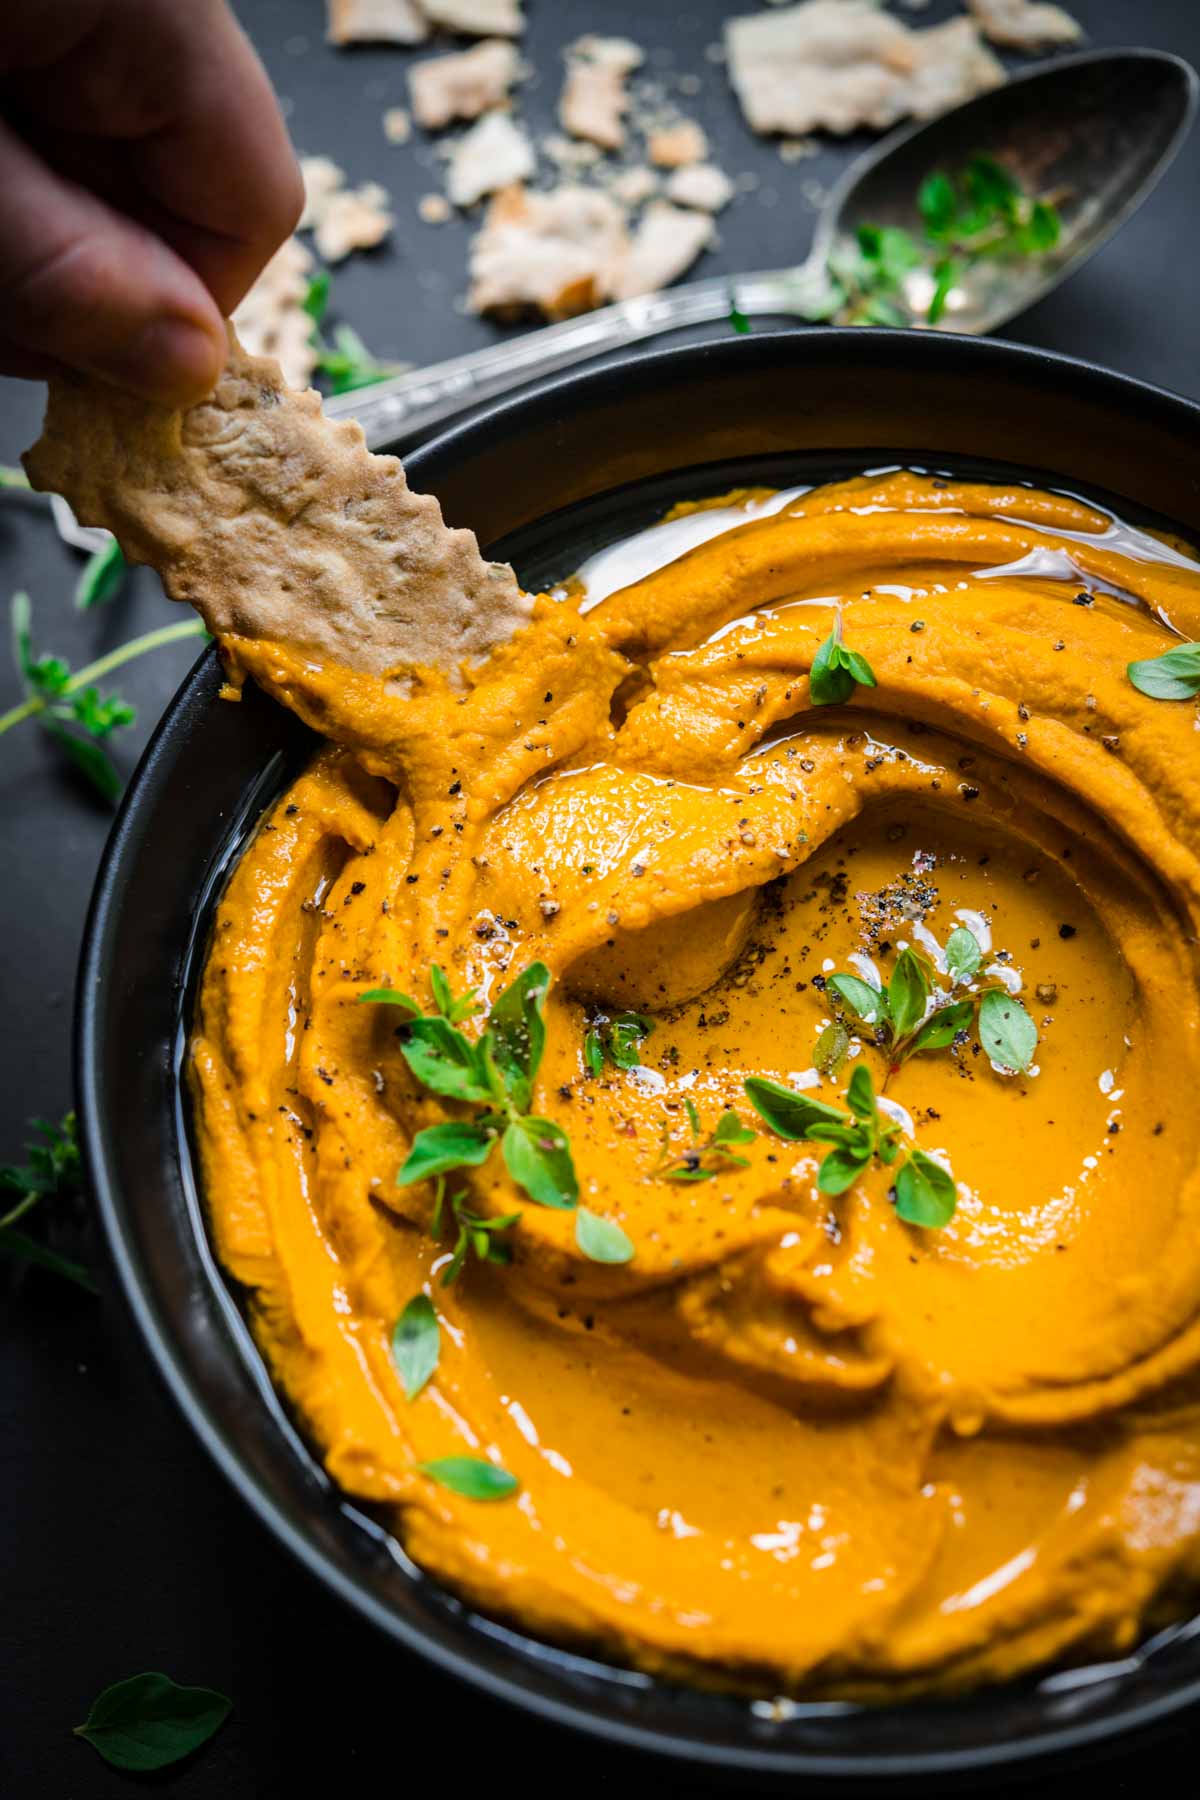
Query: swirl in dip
{"x": 795, "y": 1441}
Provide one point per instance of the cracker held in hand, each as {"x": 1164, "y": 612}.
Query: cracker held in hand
{"x": 277, "y": 523}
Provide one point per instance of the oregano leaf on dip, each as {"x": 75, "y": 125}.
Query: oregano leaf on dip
{"x": 471, "y": 1476}
{"x": 602, "y": 1240}
{"x": 149, "y": 1721}
{"x": 925, "y": 1191}
{"x": 963, "y": 954}
{"x": 416, "y": 1343}
{"x": 1006, "y": 1031}
{"x": 538, "y": 1157}
{"x": 439, "y": 1148}
{"x": 1175, "y": 675}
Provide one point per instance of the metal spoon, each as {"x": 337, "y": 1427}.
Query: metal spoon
{"x": 1097, "y": 130}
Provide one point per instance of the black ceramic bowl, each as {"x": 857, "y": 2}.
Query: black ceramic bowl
{"x": 545, "y": 480}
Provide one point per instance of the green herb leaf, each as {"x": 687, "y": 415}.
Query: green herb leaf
{"x": 1175, "y": 675}
{"x": 23, "y": 1248}
{"x": 101, "y": 577}
{"x": 937, "y": 203}
{"x": 454, "y": 1145}
{"x": 738, "y": 320}
{"x": 538, "y": 1157}
{"x": 1006, "y": 1031}
{"x": 864, "y": 1001}
{"x": 730, "y": 1130}
{"x": 443, "y": 1059}
{"x": 942, "y": 1027}
{"x": 925, "y": 1192}
{"x": 316, "y": 300}
{"x": 626, "y": 1033}
{"x": 947, "y": 273}
{"x": 837, "y": 671}
{"x": 963, "y": 954}
{"x": 93, "y": 763}
{"x": 393, "y": 997}
{"x": 13, "y": 478}
{"x": 842, "y": 1168}
{"x": 601, "y": 1240}
{"x": 593, "y": 1054}
{"x": 416, "y": 1341}
{"x": 908, "y": 990}
{"x": 149, "y": 1722}
{"x": 472, "y": 1477}
{"x": 790, "y": 1114}
{"x": 517, "y": 1032}
{"x": 831, "y": 1047}
{"x": 860, "y": 1095}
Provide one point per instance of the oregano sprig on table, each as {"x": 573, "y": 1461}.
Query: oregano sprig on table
{"x": 51, "y": 1177}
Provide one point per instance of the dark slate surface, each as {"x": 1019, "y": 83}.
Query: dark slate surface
{"x": 122, "y": 1548}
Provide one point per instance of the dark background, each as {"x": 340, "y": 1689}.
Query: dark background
{"x": 123, "y": 1549}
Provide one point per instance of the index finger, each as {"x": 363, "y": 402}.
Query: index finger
{"x": 179, "y": 89}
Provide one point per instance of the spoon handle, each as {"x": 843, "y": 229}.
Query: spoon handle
{"x": 405, "y": 405}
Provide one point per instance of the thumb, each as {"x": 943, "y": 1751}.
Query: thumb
{"x": 88, "y": 287}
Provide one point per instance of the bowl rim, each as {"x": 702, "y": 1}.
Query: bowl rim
{"x": 537, "y": 403}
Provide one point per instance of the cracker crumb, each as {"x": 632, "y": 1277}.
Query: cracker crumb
{"x": 435, "y": 209}
{"x": 397, "y": 126}
{"x": 376, "y": 22}
{"x": 463, "y": 84}
{"x": 271, "y": 320}
{"x": 667, "y": 241}
{"x": 839, "y": 65}
{"x": 594, "y": 101}
{"x": 493, "y": 154}
{"x": 675, "y": 146}
{"x": 700, "y": 185}
{"x": 547, "y": 253}
{"x": 634, "y": 185}
{"x": 476, "y": 18}
{"x": 353, "y": 219}
{"x": 1025, "y": 24}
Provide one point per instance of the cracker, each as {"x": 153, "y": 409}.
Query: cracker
{"x": 277, "y": 523}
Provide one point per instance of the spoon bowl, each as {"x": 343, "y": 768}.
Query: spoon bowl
{"x": 1093, "y": 132}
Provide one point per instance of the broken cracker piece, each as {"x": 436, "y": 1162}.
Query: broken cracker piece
{"x": 839, "y": 65}
{"x": 272, "y": 321}
{"x": 700, "y": 185}
{"x": 493, "y": 154}
{"x": 548, "y": 253}
{"x": 1025, "y": 24}
{"x": 354, "y": 219}
{"x": 594, "y": 101}
{"x": 675, "y": 146}
{"x": 477, "y": 18}
{"x": 667, "y": 241}
{"x": 635, "y": 184}
{"x": 277, "y": 523}
{"x": 464, "y": 84}
{"x": 376, "y": 22}
{"x": 322, "y": 180}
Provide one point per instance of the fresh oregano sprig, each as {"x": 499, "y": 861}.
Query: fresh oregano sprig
{"x": 495, "y": 1071}
{"x": 50, "y": 1179}
{"x": 69, "y": 707}
{"x": 149, "y": 1721}
{"x": 346, "y": 363}
{"x": 616, "y": 1039}
{"x": 925, "y": 1191}
{"x": 837, "y": 670}
{"x": 903, "y": 1024}
{"x": 705, "y": 1157}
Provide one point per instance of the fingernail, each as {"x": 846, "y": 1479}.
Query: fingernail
{"x": 172, "y": 360}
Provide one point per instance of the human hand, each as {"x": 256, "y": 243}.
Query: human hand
{"x": 145, "y": 178}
